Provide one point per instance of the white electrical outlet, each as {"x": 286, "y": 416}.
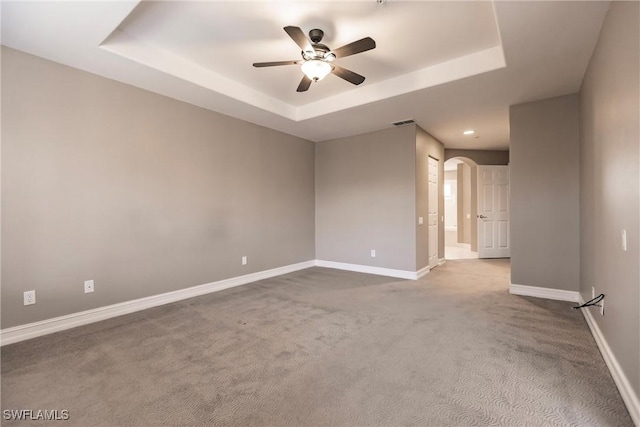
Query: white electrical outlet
{"x": 88, "y": 286}
{"x": 602, "y": 307}
{"x": 373, "y": 253}
{"x": 244, "y": 260}
{"x": 624, "y": 240}
{"x": 29, "y": 297}
{"x": 593, "y": 292}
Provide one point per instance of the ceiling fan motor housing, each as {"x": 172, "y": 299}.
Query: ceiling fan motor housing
{"x": 319, "y": 51}
{"x": 316, "y": 35}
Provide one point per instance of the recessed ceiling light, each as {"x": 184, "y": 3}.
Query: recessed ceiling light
{"x": 468, "y": 132}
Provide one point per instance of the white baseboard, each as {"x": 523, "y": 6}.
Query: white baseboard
{"x": 442, "y": 261}
{"x": 629, "y": 396}
{"x": 422, "y": 272}
{"x": 56, "y": 324}
{"x": 547, "y": 293}
{"x": 380, "y": 271}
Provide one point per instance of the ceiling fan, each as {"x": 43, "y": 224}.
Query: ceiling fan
{"x": 317, "y": 58}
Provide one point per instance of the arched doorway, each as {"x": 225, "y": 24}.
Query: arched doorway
{"x": 460, "y": 205}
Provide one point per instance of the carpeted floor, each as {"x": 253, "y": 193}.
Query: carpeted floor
{"x": 327, "y": 347}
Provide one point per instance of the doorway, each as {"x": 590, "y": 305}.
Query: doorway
{"x": 460, "y": 202}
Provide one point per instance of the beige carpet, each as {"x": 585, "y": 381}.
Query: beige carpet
{"x": 327, "y": 347}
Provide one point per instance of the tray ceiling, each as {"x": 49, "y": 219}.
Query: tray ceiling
{"x": 448, "y": 65}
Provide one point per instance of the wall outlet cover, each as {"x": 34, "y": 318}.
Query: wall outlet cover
{"x": 88, "y": 286}
{"x": 30, "y": 297}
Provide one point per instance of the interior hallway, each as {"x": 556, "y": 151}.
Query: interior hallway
{"x": 323, "y": 346}
{"x": 455, "y": 250}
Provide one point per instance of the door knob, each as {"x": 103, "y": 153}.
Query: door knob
{"x": 481, "y": 216}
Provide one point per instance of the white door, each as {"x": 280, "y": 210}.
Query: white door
{"x": 493, "y": 212}
{"x": 433, "y": 212}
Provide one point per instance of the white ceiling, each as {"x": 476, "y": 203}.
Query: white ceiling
{"x": 449, "y": 65}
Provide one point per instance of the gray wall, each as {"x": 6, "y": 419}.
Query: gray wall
{"x": 609, "y": 190}
{"x": 451, "y": 175}
{"x": 141, "y": 193}
{"x": 544, "y": 151}
{"x": 365, "y": 199}
{"x": 427, "y": 146}
{"x": 481, "y": 157}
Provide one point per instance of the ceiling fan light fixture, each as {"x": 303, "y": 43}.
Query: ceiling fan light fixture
{"x": 317, "y": 58}
{"x": 316, "y": 69}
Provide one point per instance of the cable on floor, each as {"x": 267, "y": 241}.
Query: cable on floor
{"x": 592, "y": 302}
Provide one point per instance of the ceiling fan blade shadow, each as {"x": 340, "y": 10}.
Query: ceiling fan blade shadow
{"x": 358, "y": 46}
{"x": 348, "y": 75}
{"x": 274, "y": 63}
{"x": 299, "y": 37}
{"x": 304, "y": 84}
